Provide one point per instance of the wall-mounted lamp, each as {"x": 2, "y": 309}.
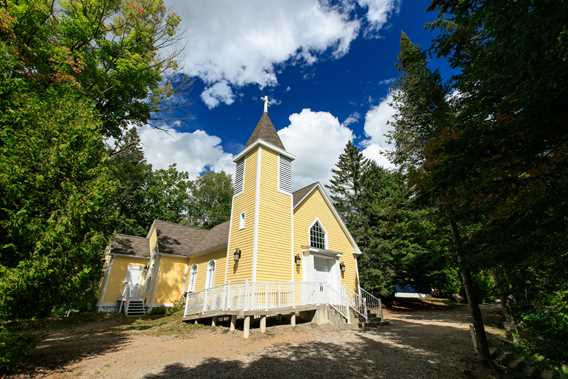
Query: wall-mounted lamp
{"x": 297, "y": 259}
{"x": 237, "y": 255}
{"x": 342, "y": 267}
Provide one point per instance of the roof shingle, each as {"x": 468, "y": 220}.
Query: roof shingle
{"x": 130, "y": 245}
{"x": 302, "y": 192}
{"x": 178, "y": 239}
{"x": 215, "y": 239}
{"x": 265, "y": 131}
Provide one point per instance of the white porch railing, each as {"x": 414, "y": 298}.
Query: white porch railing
{"x": 250, "y": 296}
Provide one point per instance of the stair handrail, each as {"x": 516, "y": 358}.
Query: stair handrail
{"x": 341, "y": 308}
{"x": 357, "y": 303}
{"x": 372, "y": 302}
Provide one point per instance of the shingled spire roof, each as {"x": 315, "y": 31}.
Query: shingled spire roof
{"x": 265, "y": 131}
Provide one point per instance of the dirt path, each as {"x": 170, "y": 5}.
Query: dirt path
{"x": 415, "y": 344}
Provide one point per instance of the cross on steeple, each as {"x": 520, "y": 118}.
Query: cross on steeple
{"x": 265, "y": 99}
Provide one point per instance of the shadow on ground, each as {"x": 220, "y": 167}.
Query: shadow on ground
{"x": 66, "y": 344}
{"x": 399, "y": 350}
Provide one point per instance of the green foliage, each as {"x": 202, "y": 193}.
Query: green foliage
{"x": 345, "y": 184}
{"x": 167, "y": 195}
{"x": 70, "y": 75}
{"x": 158, "y": 311}
{"x": 544, "y": 329}
{"x": 487, "y": 287}
{"x": 211, "y": 196}
{"x": 401, "y": 241}
{"x": 55, "y": 212}
{"x": 508, "y": 150}
{"x": 107, "y": 50}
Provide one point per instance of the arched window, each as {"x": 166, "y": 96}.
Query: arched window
{"x": 192, "y": 279}
{"x": 209, "y": 283}
{"x": 317, "y": 236}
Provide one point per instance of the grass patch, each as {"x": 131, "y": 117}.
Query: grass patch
{"x": 162, "y": 325}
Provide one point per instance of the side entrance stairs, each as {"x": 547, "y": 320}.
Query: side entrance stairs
{"x": 135, "y": 308}
{"x": 132, "y": 307}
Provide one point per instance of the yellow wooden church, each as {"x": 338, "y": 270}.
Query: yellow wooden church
{"x": 282, "y": 252}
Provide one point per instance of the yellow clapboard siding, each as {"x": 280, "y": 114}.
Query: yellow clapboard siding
{"x": 115, "y": 282}
{"x": 202, "y": 262}
{"x": 243, "y": 238}
{"x": 315, "y": 207}
{"x": 274, "y": 257}
{"x": 169, "y": 287}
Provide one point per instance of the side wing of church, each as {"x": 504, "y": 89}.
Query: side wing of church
{"x": 281, "y": 249}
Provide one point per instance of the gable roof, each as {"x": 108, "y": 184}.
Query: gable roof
{"x": 130, "y": 245}
{"x": 265, "y": 131}
{"x": 299, "y": 195}
{"x": 177, "y": 239}
{"x": 304, "y": 193}
{"x": 216, "y": 238}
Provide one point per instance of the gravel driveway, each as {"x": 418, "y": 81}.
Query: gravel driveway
{"x": 414, "y": 344}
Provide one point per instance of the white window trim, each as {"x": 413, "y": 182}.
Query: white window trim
{"x": 278, "y": 177}
{"x": 242, "y": 220}
{"x": 192, "y": 284}
{"x": 235, "y": 181}
{"x": 256, "y": 212}
{"x": 208, "y": 277}
{"x": 324, "y": 232}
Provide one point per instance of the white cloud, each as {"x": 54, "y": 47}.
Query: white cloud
{"x": 192, "y": 152}
{"x": 353, "y": 118}
{"x": 316, "y": 139}
{"x": 378, "y": 12}
{"x": 219, "y": 92}
{"x": 379, "y": 155}
{"x": 377, "y": 128}
{"x": 242, "y": 42}
{"x": 377, "y": 121}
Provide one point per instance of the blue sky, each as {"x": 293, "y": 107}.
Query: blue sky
{"x": 327, "y": 67}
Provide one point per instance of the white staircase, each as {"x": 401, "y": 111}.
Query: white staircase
{"x": 134, "y": 308}
{"x": 131, "y": 303}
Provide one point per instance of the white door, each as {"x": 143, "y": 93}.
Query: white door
{"x": 134, "y": 280}
{"x": 325, "y": 274}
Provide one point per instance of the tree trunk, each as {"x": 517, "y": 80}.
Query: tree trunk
{"x": 482, "y": 347}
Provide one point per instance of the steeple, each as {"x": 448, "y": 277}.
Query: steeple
{"x": 265, "y": 131}
{"x": 261, "y": 210}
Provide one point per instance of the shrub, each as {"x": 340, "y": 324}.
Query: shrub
{"x": 544, "y": 330}
{"x": 158, "y": 311}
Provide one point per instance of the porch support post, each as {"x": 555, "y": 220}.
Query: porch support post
{"x": 263, "y": 324}
{"x": 293, "y": 320}
{"x": 233, "y": 323}
{"x": 246, "y": 327}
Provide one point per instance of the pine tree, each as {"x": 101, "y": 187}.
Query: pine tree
{"x": 345, "y": 185}
{"x": 426, "y": 135}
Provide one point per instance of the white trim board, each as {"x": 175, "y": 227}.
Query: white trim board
{"x": 265, "y": 144}
{"x": 335, "y": 213}
{"x": 256, "y": 212}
